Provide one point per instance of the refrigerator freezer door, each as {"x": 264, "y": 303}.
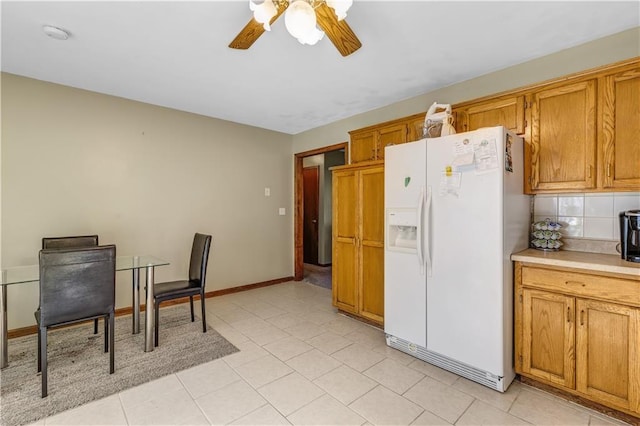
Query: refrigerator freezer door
{"x": 404, "y": 174}
{"x": 405, "y": 303}
{"x": 464, "y": 292}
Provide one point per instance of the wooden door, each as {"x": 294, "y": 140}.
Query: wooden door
{"x": 548, "y": 339}
{"x": 371, "y": 243}
{"x": 310, "y": 197}
{"x": 507, "y": 112}
{"x": 620, "y": 153}
{"x": 607, "y": 353}
{"x": 390, "y": 135}
{"x": 344, "y": 261}
{"x": 563, "y": 137}
{"x": 363, "y": 146}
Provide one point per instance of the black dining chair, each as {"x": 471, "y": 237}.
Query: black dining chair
{"x": 190, "y": 287}
{"x": 76, "y": 284}
{"x": 72, "y": 242}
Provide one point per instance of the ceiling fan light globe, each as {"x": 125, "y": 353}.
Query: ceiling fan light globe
{"x": 263, "y": 12}
{"x": 312, "y": 37}
{"x": 340, "y": 7}
{"x": 300, "y": 19}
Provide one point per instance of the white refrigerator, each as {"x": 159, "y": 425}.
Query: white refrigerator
{"x": 454, "y": 213}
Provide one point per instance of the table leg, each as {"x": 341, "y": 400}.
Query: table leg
{"x": 136, "y": 301}
{"x": 4, "y": 350}
{"x": 148, "y": 313}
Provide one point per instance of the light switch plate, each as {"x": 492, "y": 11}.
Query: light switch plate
{"x": 281, "y": 211}
{"x": 267, "y": 192}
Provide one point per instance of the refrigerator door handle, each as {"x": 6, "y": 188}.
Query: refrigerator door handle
{"x": 427, "y": 232}
{"x": 419, "y": 231}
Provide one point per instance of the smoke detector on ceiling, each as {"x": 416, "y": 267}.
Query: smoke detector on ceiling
{"x": 55, "y": 32}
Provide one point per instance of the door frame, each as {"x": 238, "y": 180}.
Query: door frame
{"x": 298, "y": 228}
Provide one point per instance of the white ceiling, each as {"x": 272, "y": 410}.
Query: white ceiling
{"x": 175, "y": 54}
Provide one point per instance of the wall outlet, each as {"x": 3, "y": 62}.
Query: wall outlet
{"x": 267, "y": 192}
{"x": 282, "y": 211}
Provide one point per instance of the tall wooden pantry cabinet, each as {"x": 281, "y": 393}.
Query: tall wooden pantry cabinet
{"x": 358, "y": 240}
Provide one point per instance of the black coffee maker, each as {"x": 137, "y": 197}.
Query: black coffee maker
{"x": 630, "y": 235}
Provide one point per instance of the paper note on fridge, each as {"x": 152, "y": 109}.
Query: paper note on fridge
{"x": 485, "y": 155}
{"x": 465, "y": 159}
{"x": 462, "y": 147}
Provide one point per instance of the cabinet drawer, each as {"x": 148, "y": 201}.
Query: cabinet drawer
{"x": 586, "y": 285}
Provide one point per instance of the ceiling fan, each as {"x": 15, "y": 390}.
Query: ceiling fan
{"x": 301, "y": 17}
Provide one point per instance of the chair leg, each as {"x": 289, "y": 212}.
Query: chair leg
{"x": 39, "y": 349}
{"x": 204, "y": 316}
{"x": 112, "y": 340}
{"x": 191, "y": 304}
{"x": 43, "y": 358}
{"x": 157, "y": 322}
{"x": 95, "y": 326}
{"x": 106, "y": 334}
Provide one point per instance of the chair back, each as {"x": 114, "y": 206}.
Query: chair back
{"x": 69, "y": 242}
{"x": 76, "y": 283}
{"x": 199, "y": 258}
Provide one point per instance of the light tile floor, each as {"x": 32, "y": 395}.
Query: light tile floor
{"x": 300, "y": 362}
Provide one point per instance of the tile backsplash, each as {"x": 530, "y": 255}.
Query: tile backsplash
{"x": 589, "y": 216}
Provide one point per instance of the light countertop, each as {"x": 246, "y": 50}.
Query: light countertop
{"x": 581, "y": 260}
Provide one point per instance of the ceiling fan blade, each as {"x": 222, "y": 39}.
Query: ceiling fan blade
{"x": 339, "y": 32}
{"x": 254, "y": 29}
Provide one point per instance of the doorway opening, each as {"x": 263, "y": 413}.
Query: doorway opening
{"x": 313, "y": 216}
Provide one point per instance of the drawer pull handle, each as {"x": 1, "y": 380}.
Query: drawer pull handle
{"x": 582, "y": 317}
{"x": 575, "y": 283}
{"x": 568, "y": 314}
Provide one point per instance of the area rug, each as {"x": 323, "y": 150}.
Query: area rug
{"x": 318, "y": 275}
{"x": 79, "y": 367}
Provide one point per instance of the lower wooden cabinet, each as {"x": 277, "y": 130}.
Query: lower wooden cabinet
{"x": 548, "y": 337}
{"x": 581, "y": 333}
{"x": 607, "y": 352}
{"x": 358, "y": 240}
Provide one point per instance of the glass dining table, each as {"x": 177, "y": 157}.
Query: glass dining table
{"x": 31, "y": 273}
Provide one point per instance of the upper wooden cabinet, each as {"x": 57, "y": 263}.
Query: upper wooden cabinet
{"x": 415, "y": 127}
{"x": 391, "y": 135}
{"x": 507, "y": 112}
{"x": 581, "y": 131}
{"x": 563, "y": 137}
{"x": 363, "y": 146}
{"x": 619, "y": 165}
{"x": 368, "y": 144}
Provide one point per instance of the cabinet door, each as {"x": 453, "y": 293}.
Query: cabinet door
{"x": 620, "y": 154}
{"x": 363, "y": 146}
{"x": 507, "y": 112}
{"x": 548, "y": 337}
{"x": 390, "y": 135}
{"x": 607, "y": 353}
{"x": 344, "y": 271}
{"x": 371, "y": 244}
{"x": 415, "y": 129}
{"x": 563, "y": 137}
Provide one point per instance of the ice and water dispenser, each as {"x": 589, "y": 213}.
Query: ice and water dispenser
{"x": 402, "y": 230}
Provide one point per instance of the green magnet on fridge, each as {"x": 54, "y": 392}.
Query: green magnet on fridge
{"x": 406, "y": 181}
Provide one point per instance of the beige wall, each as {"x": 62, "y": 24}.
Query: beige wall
{"x": 603, "y": 51}
{"x": 144, "y": 178}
